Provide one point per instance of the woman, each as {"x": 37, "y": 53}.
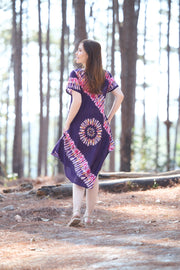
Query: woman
{"x": 87, "y": 137}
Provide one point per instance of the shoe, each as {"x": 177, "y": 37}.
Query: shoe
{"x": 75, "y": 221}
{"x": 88, "y": 220}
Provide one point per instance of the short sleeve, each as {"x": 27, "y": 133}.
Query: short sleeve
{"x": 111, "y": 82}
{"x": 73, "y": 83}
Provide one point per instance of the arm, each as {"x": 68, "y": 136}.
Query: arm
{"x": 117, "y": 102}
{"x": 75, "y": 106}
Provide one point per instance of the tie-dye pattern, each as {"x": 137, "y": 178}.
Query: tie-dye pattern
{"x": 83, "y": 147}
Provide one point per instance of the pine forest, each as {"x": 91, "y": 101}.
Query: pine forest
{"x": 140, "y": 42}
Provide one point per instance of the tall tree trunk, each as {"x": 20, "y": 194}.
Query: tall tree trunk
{"x": 17, "y": 61}
{"x": 40, "y": 147}
{"x": 178, "y": 120}
{"x": 91, "y": 22}
{"x": 144, "y": 84}
{"x": 46, "y": 122}
{"x": 128, "y": 42}
{"x": 80, "y": 22}
{"x": 158, "y": 91}
{"x": 167, "y": 122}
{"x": 6, "y": 131}
{"x": 28, "y": 92}
{"x": 143, "y": 136}
{"x": 63, "y": 31}
{"x": 7, "y": 116}
{"x": 112, "y": 154}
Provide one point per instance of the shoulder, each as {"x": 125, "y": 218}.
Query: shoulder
{"x": 108, "y": 77}
{"x": 110, "y": 81}
{"x": 75, "y": 73}
{"x": 107, "y": 74}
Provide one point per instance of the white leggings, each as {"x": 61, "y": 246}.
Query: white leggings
{"x": 91, "y": 199}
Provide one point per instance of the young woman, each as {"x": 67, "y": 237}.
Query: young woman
{"x": 87, "y": 137}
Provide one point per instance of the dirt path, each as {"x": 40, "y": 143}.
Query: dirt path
{"x": 134, "y": 230}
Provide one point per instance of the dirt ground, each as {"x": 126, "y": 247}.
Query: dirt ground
{"x": 133, "y": 230}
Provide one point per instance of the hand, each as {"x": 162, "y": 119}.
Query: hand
{"x": 66, "y": 127}
{"x": 109, "y": 121}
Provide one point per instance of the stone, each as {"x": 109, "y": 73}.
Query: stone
{"x": 2, "y": 198}
{"x": 18, "y": 218}
{"x": 9, "y": 190}
{"x": 9, "y": 208}
{"x": 26, "y": 186}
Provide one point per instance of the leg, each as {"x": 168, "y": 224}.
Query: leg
{"x": 78, "y": 194}
{"x": 91, "y": 199}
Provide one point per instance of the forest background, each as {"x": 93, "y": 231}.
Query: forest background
{"x": 141, "y": 48}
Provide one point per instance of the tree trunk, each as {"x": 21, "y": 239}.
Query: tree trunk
{"x": 80, "y": 23}
{"x": 28, "y": 94}
{"x": 144, "y": 84}
{"x": 6, "y": 131}
{"x": 143, "y": 136}
{"x": 46, "y": 122}
{"x": 63, "y": 31}
{"x": 167, "y": 122}
{"x": 7, "y": 117}
{"x": 128, "y": 42}
{"x": 178, "y": 120}
{"x": 112, "y": 154}
{"x": 158, "y": 97}
{"x": 17, "y": 61}
{"x": 40, "y": 147}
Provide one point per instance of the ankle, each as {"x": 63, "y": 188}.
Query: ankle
{"x": 88, "y": 219}
{"x": 76, "y": 214}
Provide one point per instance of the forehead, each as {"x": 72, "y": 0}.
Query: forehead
{"x": 81, "y": 46}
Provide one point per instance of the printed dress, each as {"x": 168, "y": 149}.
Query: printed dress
{"x": 83, "y": 148}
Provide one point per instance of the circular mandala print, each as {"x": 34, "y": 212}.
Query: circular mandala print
{"x": 90, "y": 131}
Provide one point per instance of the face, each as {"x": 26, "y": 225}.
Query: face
{"x": 81, "y": 55}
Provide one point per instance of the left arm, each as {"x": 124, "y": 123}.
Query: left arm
{"x": 117, "y": 102}
{"x": 75, "y": 106}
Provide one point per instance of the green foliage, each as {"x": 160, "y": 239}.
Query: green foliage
{"x": 6, "y": 37}
{"x": 12, "y": 176}
{"x": 178, "y": 155}
{"x": 155, "y": 185}
{"x": 143, "y": 153}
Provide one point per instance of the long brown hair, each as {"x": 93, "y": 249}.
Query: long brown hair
{"x": 94, "y": 70}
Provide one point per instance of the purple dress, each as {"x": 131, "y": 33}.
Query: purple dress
{"x": 83, "y": 148}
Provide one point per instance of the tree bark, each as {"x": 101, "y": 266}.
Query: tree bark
{"x": 80, "y": 22}
{"x": 158, "y": 97}
{"x": 143, "y": 134}
{"x": 144, "y": 84}
{"x": 117, "y": 186}
{"x": 46, "y": 122}
{"x": 62, "y": 49}
{"x": 178, "y": 120}
{"x": 168, "y": 122}
{"x": 128, "y": 43}
{"x": 17, "y": 61}
{"x": 29, "y": 135}
{"x": 130, "y": 175}
{"x": 7, "y": 123}
{"x": 41, "y": 122}
{"x": 112, "y": 154}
